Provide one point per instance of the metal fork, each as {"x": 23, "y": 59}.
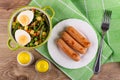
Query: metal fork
{"x": 105, "y": 28}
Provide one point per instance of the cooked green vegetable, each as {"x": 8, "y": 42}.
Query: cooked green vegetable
{"x": 31, "y": 44}
{"x": 41, "y": 32}
{"x": 35, "y": 38}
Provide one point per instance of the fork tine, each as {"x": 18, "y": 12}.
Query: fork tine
{"x": 107, "y": 16}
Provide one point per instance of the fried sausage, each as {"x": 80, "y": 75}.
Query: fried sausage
{"x": 73, "y": 43}
{"x": 78, "y": 37}
{"x": 67, "y": 50}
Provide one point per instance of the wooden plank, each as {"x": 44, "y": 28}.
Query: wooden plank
{"x": 11, "y": 70}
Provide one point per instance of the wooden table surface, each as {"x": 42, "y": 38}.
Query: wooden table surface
{"x": 11, "y": 70}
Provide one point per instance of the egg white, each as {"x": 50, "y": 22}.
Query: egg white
{"x": 20, "y": 33}
{"x": 27, "y": 13}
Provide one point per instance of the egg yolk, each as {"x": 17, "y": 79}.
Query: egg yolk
{"x": 24, "y": 58}
{"x": 24, "y": 20}
{"x": 23, "y": 40}
{"x": 42, "y": 66}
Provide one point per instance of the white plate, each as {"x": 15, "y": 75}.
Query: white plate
{"x": 60, "y": 57}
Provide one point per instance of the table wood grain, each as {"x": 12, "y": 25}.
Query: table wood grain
{"x": 11, "y": 70}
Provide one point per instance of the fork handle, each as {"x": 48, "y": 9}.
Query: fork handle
{"x": 98, "y": 60}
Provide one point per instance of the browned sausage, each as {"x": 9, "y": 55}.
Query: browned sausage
{"x": 73, "y": 43}
{"x": 78, "y": 37}
{"x": 67, "y": 50}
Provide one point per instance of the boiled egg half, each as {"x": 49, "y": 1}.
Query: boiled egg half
{"x": 25, "y": 17}
{"x": 22, "y": 37}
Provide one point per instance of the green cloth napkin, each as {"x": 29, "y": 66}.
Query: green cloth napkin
{"x": 90, "y": 11}
{"x": 93, "y": 10}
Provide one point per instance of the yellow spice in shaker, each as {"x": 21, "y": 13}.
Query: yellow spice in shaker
{"x": 25, "y": 58}
{"x": 42, "y": 65}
